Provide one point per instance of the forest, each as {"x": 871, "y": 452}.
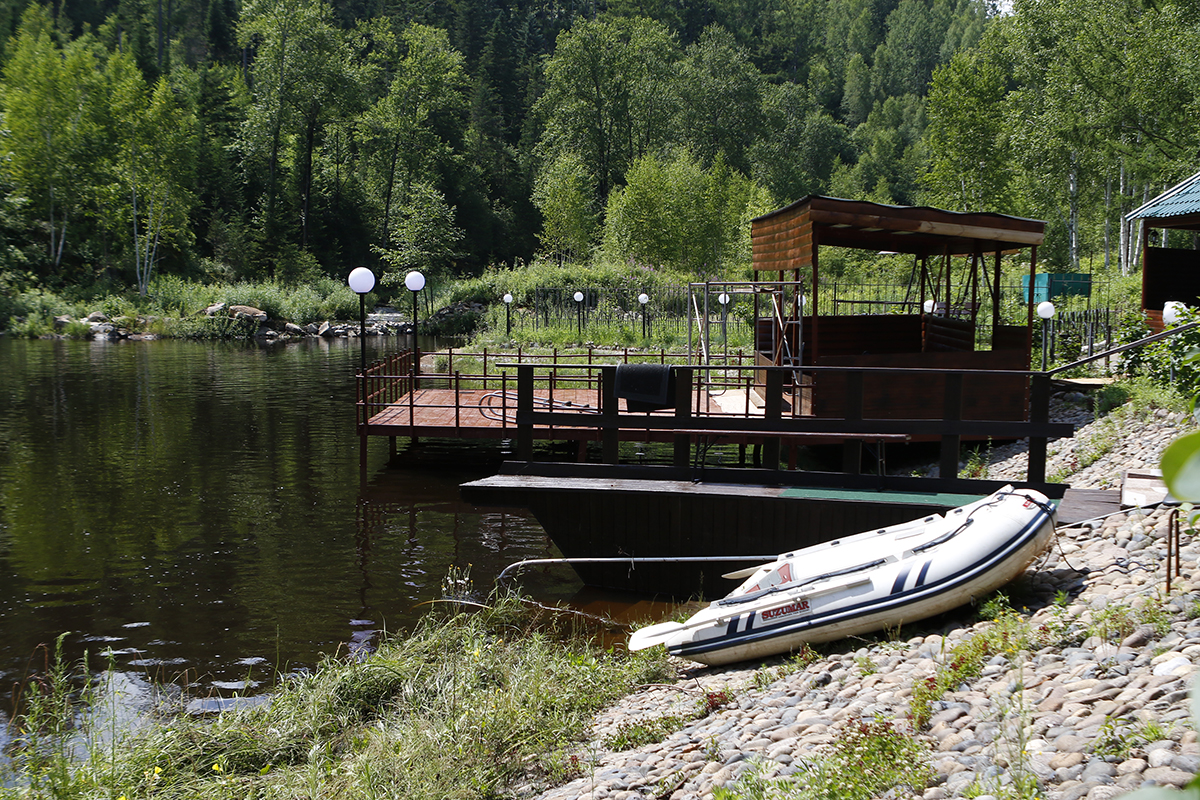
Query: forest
{"x": 290, "y": 140}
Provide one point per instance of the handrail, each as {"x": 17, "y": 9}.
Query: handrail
{"x": 774, "y": 424}
{"x": 1122, "y": 348}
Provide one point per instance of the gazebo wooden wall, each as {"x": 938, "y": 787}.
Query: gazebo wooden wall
{"x": 789, "y": 241}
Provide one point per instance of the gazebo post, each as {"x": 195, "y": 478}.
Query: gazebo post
{"x": 996, "y": 298}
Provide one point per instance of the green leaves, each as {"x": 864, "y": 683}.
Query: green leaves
{"x": 675, "y": 213}
{"x": 1181, "y": 467}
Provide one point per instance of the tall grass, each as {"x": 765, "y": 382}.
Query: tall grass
{"x": 466, "y": 706}
{"x": 174, "y": 306}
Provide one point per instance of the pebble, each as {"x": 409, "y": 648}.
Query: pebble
{"x": 1104, "y": 716}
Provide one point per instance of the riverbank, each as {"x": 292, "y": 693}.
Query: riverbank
{"x": 1079, "y": 691}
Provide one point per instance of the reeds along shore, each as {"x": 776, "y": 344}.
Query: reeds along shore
{"x": 471, "y": 703}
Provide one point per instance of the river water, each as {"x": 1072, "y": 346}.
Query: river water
{"x": 194, "y": 513}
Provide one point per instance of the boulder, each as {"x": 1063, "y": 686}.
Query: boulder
{"x": 325, "y": 329}
{"x": 62, "y": 321}
{"x": 256, "y": 314}
{"x": 293, "y": 329}
{"x": 214, "y": 309}
{"x": 96, "y": 316}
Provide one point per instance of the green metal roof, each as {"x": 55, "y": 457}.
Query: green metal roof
{"x": 1181, "y": 199}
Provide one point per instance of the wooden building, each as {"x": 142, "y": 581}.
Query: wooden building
{"x": 937, "y": 332}
{"x": 1170, "y": 273}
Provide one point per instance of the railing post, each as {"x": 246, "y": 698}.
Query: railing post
{"x": 1039, "y": 411}
{"x": 524, "y": 410}
{"x": 683, "y": 414}
{"x": 852, "y": 448}
{"x": 609, "y": 409}
{"x": 772, "y": 412}
{"x": 951, "y": 412}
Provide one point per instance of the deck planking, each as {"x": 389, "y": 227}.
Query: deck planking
{"x": 486, "y": 414}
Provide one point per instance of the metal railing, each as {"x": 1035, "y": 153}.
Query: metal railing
{"x": 776, "y": 420}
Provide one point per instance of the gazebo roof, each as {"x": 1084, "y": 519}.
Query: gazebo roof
{"x": 1177, "y": 207}
{"x": 784, "y": 239}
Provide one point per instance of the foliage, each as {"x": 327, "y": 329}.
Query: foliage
{"x": 180, "y": 305}
{"x": 1166, "y": 362}
{"x": 464, "y": 706}
{"x": 565, "y": 194}
{"x": 869, "y": 759}
{"x": 1008, "y": 634}
{"x": 632, "y": 735}
{"x": 677, "y": 214}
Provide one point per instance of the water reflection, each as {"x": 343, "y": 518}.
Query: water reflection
{"x": 193, "y": 512}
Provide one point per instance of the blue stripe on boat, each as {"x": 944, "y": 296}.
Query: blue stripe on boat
{"x": 921, "y": 575}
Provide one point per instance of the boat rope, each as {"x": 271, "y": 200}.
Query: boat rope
{"x": 632, "y": 561}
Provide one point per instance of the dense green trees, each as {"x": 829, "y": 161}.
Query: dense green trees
{"x": 294, "y": 138}
{"x": 1076, "y": 112}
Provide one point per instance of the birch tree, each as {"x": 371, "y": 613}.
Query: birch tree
{"x": 51, "y": 134}
{"x": 156, "y": 143}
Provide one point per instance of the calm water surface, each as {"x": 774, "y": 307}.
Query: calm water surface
{"x": 196, "y": 512}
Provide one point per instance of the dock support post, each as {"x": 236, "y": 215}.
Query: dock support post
{"x": 772, "y": 412}
{"x": 852, "y": 448}
{"x": 951, "y": 412}
{"x": 1039, "y": 411}
{"x": 524, "y": 410}
{"x": 608, "y": 412}
{"x": 683, "y": 413}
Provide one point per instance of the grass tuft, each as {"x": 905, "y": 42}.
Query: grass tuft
{"x": 465, "y": 706}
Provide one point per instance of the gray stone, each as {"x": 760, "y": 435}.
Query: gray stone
{"x": 256, "y": 314}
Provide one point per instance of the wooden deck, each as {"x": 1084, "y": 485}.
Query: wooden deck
{"x": 736, "y": 403}
{"x": 492, "y": 414}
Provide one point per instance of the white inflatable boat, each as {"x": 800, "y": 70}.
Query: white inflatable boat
{"x": 865, "y": 582}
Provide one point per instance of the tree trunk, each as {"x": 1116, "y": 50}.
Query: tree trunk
{"x": 310, "y": 135}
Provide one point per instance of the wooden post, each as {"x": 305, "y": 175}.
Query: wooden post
{"x": 524, "y": 409}
{"x": 683, "y": 414}
{"x": 995, "y": 299}
{"x": 1039, "y": 411}
{"x": 610, "y": 446}
{"x": 951, "y": 412}
{"x": 773, "y": 412}
{"x": 852, "y": 448}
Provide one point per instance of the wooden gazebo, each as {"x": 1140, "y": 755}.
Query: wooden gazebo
{"x": 789, "y": 242}
{"x": 1170, "y": 273}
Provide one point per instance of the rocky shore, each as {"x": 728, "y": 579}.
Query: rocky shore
{"x": 242, "y": 321}
{"x": 1098, "y": 711}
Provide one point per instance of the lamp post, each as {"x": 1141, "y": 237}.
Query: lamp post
{"x": 361, "y": 281}
{"x": 579, "y": 312}
{"x": 1045, "y": 310}
{"x": 415, "y": 282}
{"x": 508, "y": 298}
{"x": 1171, "y": 311}
{"x": 643, "y": 299}
{"x": 723, "y": 299}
